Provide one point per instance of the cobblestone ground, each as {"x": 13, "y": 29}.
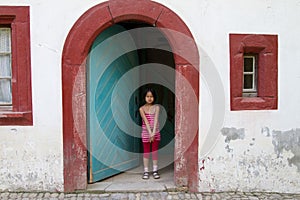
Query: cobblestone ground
{"x": 147, "y": 196}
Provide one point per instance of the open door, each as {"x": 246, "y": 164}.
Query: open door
{"x": 110, "y": 149}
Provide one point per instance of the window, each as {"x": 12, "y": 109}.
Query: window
{"x": 253, "y": 71}
{"x": 5, "y": 67}
{"x": 250, "y": 75}
{"x": 15, "y": 72}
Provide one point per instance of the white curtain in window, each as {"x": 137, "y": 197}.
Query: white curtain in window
{"x": 5, "y": 66}
{"x": 5, "y": 92}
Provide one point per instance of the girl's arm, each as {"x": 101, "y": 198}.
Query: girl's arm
{"x": 155, "y": 120}
{"x": 145, "y": 120}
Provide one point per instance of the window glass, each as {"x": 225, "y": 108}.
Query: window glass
{"x": 248, "y": 82}
{"x": 248, "y": 64}
{"x": 5, "y": 40}
{"x": 5, "y": 92}
{"x": 5, "y": 67}
{"x": 249, "y": 74}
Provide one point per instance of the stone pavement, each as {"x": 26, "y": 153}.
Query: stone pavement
{"x": 168, "y": 195}
{"x": 128, "y": 186}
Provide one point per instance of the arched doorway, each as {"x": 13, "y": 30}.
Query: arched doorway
{"x": 186, "y": 59}
{"x": 125, "y": 59}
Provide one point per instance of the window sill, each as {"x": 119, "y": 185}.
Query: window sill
{"x": 254, "y": 103}
{"x": 15, "y": 118}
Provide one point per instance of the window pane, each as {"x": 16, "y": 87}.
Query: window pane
{"x": 5, "y": 66}
{"x": 5, "y": 92}
{"x": 248, "y": 64}
{"x": 5, "y": 43}
{"x": 248, "y": 81}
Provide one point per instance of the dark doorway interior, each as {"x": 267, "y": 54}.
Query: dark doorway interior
{"x": 157, "y": 51}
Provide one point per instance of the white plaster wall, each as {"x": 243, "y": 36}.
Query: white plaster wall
{"x": 267, "y": 157}
{"x": 255, "y": 162}
{"x": 32, "y": 157}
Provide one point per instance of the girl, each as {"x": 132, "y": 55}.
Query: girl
{"x": 150, "y": 132}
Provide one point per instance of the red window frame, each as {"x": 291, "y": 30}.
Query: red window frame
{"x": 266, "y": 47}
{"x": 20, "y": 113}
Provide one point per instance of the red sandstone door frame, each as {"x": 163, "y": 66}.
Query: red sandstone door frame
{"x": 186, "y": 58}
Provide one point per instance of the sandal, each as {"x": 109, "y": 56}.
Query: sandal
{"x": 146, "y": 175}
{"x": 156, "y": 175}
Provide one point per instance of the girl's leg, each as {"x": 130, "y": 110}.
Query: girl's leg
{"x": 155, "y": 145}
{"x": 155, "y": 165}
{"x": 146, "y": 164}
{"x": 146, "y": 155}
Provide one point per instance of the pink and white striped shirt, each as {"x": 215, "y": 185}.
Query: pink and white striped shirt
{"x": 145, "y": 135}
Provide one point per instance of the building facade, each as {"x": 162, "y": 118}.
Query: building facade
{"x": 72, "y": 75}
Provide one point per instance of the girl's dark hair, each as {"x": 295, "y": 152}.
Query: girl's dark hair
{"x": 153, "y": 93}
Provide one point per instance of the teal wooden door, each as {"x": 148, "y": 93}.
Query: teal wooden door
{"x": 110, "y": 149}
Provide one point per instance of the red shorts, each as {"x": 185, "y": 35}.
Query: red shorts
{"x": 151, "y": 147}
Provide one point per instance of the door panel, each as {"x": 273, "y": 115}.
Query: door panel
{"x": 110, "y": 149}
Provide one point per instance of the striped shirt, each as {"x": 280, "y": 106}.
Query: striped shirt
{"x": 145, "y": 134}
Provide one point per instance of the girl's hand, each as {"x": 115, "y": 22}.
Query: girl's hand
{"x": 151, "y": 137}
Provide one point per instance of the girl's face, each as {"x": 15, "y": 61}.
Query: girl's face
{"x": 149, "y": 98}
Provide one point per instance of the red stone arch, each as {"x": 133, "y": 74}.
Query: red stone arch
{"x": 75, "y": 51}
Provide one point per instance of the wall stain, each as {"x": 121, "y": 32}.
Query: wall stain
{"x": 265, "y": 131}
{"x": 203, "y": 161}
{"x": 202, "y": 168}
{"x": 228, "y": 149}
{"x": 30, "y": 173}
{"x": 252, "y": 142}
{"x": 289, "y": 141}
{"x": 233, "y": 134}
